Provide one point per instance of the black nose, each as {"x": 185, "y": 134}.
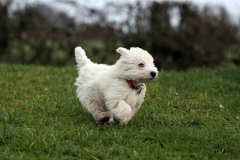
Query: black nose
{"x": 153, "y": 74}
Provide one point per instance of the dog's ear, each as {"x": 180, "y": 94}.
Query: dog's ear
{"x": 122, "y": 51}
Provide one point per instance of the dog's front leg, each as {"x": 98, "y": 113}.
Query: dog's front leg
{"x": 121, "y": 112}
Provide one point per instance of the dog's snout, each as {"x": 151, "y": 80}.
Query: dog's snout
{"x": 153, "y": 74}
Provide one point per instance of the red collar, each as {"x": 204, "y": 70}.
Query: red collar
{"x": 131, "y": 85}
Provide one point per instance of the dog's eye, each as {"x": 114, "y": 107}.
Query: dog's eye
{"x": 141, "y": 65}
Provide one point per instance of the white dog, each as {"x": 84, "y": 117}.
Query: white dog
{"x": 114, "y": 93}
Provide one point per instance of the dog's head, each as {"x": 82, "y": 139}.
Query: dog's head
{"x": 136, "y": 64}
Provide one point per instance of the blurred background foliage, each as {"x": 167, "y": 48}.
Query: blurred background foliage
{"x": 41, "y": 34}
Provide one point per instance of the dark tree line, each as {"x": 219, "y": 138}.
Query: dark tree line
{"x": 39, "y": 34}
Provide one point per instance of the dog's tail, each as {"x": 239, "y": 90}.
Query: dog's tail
{"x": 81, "y": 58}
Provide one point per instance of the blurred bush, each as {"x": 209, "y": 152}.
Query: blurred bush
{"x": 40, "y": 34}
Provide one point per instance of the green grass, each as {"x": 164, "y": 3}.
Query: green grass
{"x": 193, "y": 114}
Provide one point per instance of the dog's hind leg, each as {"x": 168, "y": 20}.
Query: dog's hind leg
{"x": 100, "y": 115}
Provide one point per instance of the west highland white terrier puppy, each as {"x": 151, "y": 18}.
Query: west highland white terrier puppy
{"x": 114, "y": 93}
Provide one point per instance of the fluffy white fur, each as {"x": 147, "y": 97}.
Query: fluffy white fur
{"x": 104, "y": 91}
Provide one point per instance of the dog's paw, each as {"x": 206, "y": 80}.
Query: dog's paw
{"x": 111, "y": 120}
{"x": 116, "y": 119}
{"x": 122, "y": 120}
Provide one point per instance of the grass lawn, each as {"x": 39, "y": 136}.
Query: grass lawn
{"x": 185, "y": 115}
